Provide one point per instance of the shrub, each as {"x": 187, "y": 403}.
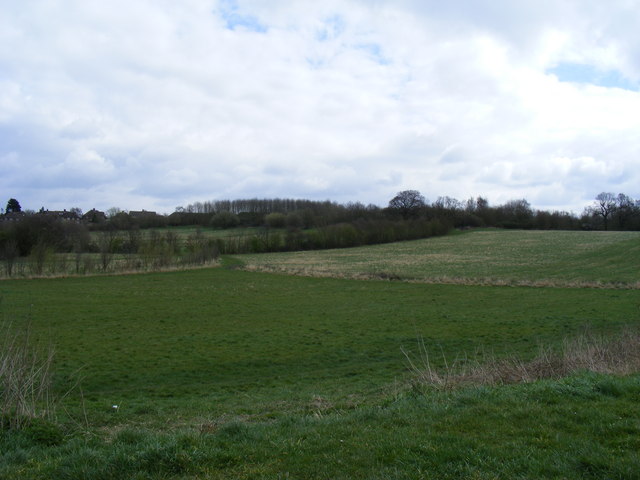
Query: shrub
{"x": 275, "y": 220}
{"x": 294, "y": 220}
{"x": 225, "y": 220}
{"x": 200, "y": 250}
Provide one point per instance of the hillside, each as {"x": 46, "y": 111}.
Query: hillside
{"x": 527, "y": 257}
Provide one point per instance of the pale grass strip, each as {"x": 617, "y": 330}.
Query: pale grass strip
{"x": 619, "y": 355}
{"x": 441, "y": 280}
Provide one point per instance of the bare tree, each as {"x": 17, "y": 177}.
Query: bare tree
{"x": 106, "y": 245}
{"x": 624, "y": 210}
{"x": 113, "y": 211}
{"x": 605, "y": 205}
{"x": 40, "y": 252}
{"x": 448, "y": 203}
{"x": 407, "y": 202}
{"x": 10, "y": 253}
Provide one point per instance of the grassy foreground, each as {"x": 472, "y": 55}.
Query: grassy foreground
{"x": 223, "y": 373}
{"x": 582, "y": 427}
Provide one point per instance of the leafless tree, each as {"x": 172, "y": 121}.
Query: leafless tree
{"x": 10, "y": 253}
{"x": 407, "y": 202}
{"x": 605, "y": 205}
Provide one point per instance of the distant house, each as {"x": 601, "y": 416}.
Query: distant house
{"x": 94, "y": 216}
{"x": 141, "y": 214}
{"x": 62, "y": 214}
{"x": 12, "y": 217}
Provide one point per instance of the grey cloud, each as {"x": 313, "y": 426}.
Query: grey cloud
{"x": 162, "y": 105}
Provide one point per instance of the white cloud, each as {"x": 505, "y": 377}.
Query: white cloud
{"x": 155, "y": 105}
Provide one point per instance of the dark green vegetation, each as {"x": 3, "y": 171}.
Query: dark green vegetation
{"x": 61, "y": 243}
{"x": 57, "y": 243}
{"x": 224, "y": 373}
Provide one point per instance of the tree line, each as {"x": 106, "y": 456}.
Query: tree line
{"x": 607, "y": 212}
{"x": 267, "y": 225}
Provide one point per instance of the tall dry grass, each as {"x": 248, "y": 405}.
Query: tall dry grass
{"x": 619, "y": 354}
{"x": 25, "y": 378}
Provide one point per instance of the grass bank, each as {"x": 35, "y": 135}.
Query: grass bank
{"x": 581, "y": 427}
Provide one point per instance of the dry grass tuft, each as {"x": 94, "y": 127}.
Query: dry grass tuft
{"x": 25, "y": 378}
{"x": 612, "y": 355}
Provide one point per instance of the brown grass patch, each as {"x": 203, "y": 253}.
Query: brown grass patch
{"x": 618, "y": 355}
{"x": 25, "y": 378}
{"x": 331, "y": 271}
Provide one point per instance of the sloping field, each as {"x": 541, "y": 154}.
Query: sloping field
{"x": 224, "y": 373}
{"x": 554, "y": 258}
{"x": 217, "y": 341}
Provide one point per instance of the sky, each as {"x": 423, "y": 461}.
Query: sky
{"x": 155, "y": 104}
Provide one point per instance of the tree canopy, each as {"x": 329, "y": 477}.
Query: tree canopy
{"x": 407, "y": 202}
{"x": 13, "y": 206}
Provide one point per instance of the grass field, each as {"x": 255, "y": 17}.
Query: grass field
{"x": 184, "y": 232}
{"x": 225, "y": 373}
{"x": 557, "y": 258}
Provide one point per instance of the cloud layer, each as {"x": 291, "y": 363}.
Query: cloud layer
{"x": 152, "y": 104}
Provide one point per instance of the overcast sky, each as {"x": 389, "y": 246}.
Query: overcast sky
{"x": 154, "y": 104}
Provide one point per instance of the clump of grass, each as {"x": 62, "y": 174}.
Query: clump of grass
{"x": 618, "y": 355}
{"x": 25, "y": 378}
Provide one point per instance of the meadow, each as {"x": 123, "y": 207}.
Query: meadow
{"x": 228, "y": 372}
{"x": 484, "y": 256}
{"x": 183, "y": 232}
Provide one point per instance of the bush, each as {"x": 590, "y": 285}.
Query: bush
{"x": 58, "y": 234}
{"x": 225, "y": 220}
{"x": 294, "y": 220}
{"x": 200, "y": 250}
{"x": 275, "y": 220}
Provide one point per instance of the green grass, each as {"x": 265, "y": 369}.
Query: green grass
{"x": 585, "y": 426}
{"x": 218, "y": 341}
{"x": 225, "y": 373}
{"x": 562, "y": 258}
{"x": 184, "y": 232}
